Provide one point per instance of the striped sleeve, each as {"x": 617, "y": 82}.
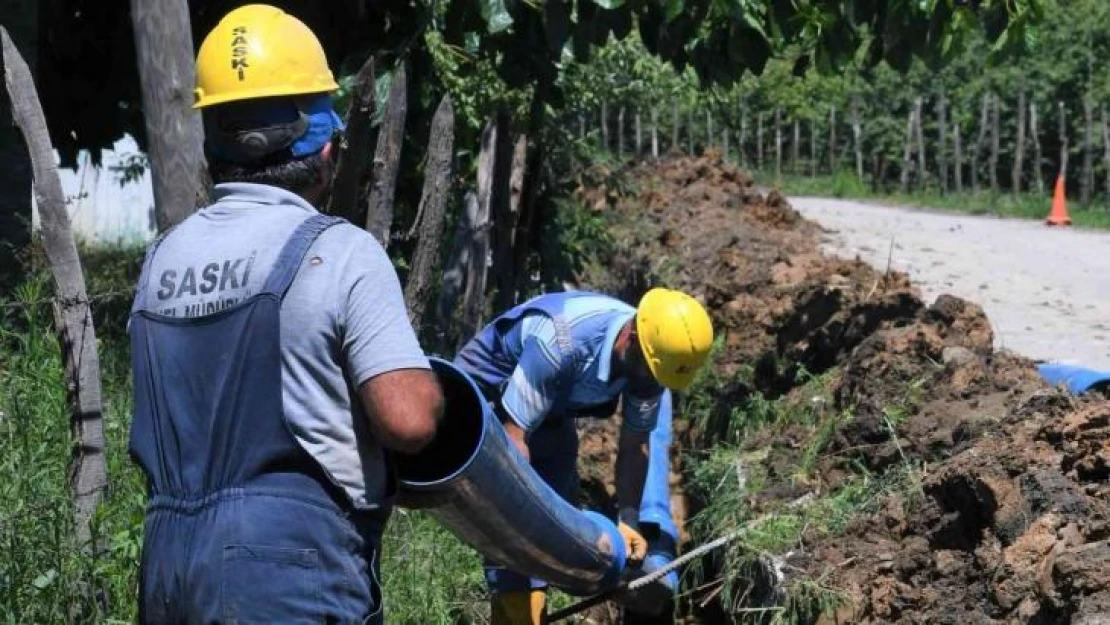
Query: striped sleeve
{"x": 532, "y": 388}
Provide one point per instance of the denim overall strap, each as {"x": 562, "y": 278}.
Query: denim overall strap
{"x": 289, "y": 260}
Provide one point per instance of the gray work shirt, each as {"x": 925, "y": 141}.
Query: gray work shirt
{"x": 343, "y": 320}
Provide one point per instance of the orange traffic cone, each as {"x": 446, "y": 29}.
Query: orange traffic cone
{"x": 1059, "y": 214}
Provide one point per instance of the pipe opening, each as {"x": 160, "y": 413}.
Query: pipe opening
{"x": 458, "y": 436}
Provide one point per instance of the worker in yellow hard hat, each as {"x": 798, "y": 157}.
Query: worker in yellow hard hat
{"x": 566, "y": 355}
{"x": 274, "y": 364}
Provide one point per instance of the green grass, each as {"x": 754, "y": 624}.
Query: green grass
{"x": 731, "y": 476}
{"x": 1033, "y": 206}
{"x": 429, "y": 577}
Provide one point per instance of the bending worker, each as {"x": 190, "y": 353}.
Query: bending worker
{"x": 567, "y": 355}
{"x": 273, "y": 360}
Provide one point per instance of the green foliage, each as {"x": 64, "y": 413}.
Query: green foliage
{"x": 45, "y": 577}
{"x": 572, "y": 239}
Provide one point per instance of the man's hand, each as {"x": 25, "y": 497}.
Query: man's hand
{"x": 516, "y": 435}
{"x": 634, "y": 544}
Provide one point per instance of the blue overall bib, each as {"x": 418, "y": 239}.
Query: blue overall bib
{"x": 553, "y": 446}
{"x": 242, "y": 525}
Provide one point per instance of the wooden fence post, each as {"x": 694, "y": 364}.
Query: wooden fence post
{"x": 387, "y": 159}
{"x": 994, "y": 145}
{"x": 430, "y": 213}
{"x": 354, "y": 154}
{"x": 794, "y": 147}
{"x": 454, "y": 275}
{"x": 833, "y": 162}
{"x": 72, "y": 315}
{"x": 164, "y": 48}
{"x": 604, "y": 126}
{"x": 1062, "y": 116}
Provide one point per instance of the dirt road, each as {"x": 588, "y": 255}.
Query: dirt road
{"x": 1045, "y": 290}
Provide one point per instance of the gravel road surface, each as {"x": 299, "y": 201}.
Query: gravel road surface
{"x": 1043, "y": 288}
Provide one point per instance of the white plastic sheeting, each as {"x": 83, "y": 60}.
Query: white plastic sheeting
{"x": 103, "y": 209}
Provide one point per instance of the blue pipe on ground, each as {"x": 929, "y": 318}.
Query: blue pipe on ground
{"x": 655, "y": 514}
{"x": 472, "y": 479}
{"x": 1078, "y": 380}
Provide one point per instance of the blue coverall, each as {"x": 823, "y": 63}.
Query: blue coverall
{"x": 242, "y": 526}
{"x": 545, "y": 375}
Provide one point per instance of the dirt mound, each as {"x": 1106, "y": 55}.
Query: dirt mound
{"x": 1009, "y": 520}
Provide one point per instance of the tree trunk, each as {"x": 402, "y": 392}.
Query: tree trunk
{"x": 1087, "y": 183}
{"x": 430, "y": 213}
{"x": 387, "y": 159}
{"x": 907, "y": 150}
{"x": 1063, "y": 129}
{"x": 994, "y": 145}
{"x": 942, "y": 147}
{"x": 496, "y": 198}
{"x": 639, "y": 136}
{"x": 1019, "y": 147}
{"x": 794, "y": 147}
{"x": 454, "y": 277}
{"x": 958, "y": 167}
{"x": 1038, "y": 160}
{"x": 778, "y": 142}
{"x": 654, "y": 132}
{"x": 354, "y": 153}
{"x": 22, "y": 18}
{"x": 759, "y": 141}
{"x": 977, "y": 156}
{"x": 620, "y": 133}
{"x": 833, "y": 164}
{"x": 604, "y": 126}
{"x": 164, "y": 50}
{"x": 675, "y": 121}
{"x": 72, "y": 316}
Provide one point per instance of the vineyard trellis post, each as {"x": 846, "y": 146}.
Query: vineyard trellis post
{"x": 1019, "y": 147}
{"x": 942, "y": 147}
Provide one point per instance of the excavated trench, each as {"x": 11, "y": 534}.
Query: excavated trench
{"x": 1009, "y": 520}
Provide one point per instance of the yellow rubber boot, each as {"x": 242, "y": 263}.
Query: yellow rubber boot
{"x": 521, "y": 607}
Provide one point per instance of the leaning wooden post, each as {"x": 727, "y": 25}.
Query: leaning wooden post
{"x": 495, "y": 197}
{"x": 430, "y": 213}
{"x": 164, "y": 48}
{"x": 72, "y": 315}
{"x": 354, "y": 154}
{"x": 942, "y": 140}
{"x": 1038, "y": 159}
{"x": 387, "y": 159}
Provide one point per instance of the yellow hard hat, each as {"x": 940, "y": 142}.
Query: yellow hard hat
{"x": 675, "y": 335}
{"x": 259, "y": 51}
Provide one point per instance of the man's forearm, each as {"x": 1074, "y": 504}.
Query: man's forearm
{"x": 632, "y": 467}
